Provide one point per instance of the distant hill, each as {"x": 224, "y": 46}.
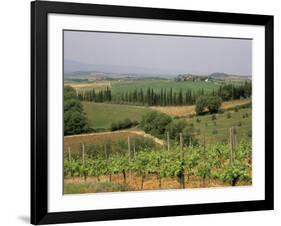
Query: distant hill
{"x": 76, "y": 69}
{"x": 213, "y": 76}
{"x": 224, "y": 76}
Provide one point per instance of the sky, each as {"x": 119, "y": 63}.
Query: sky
{"x": 159, "y": 53}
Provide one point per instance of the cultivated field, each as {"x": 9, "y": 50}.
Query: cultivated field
{"x": 157, "y": 84}
{"x": 85, "y": 86}
{"x": 78, "y": 185}
{"x": 157, "y": 151}
{"x": 119, "y": 86}
{"x": 101, "y": 115}
{"x": 217, "y": 130}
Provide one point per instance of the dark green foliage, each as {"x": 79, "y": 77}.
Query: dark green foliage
{"x": 213, "y": 104}
{"x": 201, "y": 103}
{"x": 246, "y": 115}
{"x": 214, "y": 117}
{"x": 126, "y": 123}
{"x": 169, "y": 97}
{"x": 155, "y": 123}
{"x": 249, "y": 133}
{"x": 181, "y": 126}
{"x": 214, "y": 131}
{"x": 239, "y": 123}
{"x": 210, "y": 103}
{"x": 228, "y": 115}
{"x": 75, "y": 121}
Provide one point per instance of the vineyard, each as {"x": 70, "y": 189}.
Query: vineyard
{"x": 174, "y": 165}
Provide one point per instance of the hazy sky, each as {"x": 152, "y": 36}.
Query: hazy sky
{"x": 160, "y": 54}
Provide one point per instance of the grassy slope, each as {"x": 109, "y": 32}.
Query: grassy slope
{"x": 184, "y": 111}
{"x": 101, "y": 115}
{"x": 118, "y": 87}
{"x": 222, "y": 126}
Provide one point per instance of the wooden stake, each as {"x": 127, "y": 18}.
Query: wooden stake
{"x": 204, "y": 146}
{"x": 129, "y": 148}
{"x": 234, "y": 141}
{"x": 69, "y": 159}
{"x": 83, "y": 161}
{"x": 168, "y": 141}
{"x": 105, "y": 152}
{"x": 134, "y": 148}
{"x": 182, "y": 159}
{"x": 231, "y": 144}
{"x": 129, "y": 154}
{"x": 106, "y": 159}
{"x": 83, "y": 155}
{"x": 69, "y": 154}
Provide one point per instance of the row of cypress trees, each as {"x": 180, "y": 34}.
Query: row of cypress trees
{"x": 165, "y": 97}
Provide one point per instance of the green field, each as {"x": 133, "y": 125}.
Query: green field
{"x": 218, "y": 130}
{"x": 157, "y": 84}
{"x": 101, "y": 115}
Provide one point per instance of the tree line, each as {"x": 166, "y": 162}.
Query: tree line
{"x": 166, "y": 97}
{"x": 74, "y": 117}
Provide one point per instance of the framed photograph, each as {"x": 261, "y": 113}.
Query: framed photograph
{"x": 144, "y": 112}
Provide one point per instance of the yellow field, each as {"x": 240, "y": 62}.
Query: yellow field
{"x": 183, "y": 111}
{"x": 97, "y": 85}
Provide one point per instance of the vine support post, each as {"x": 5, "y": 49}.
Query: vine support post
{"x": 234, "y": 141}
{"x": 69, "y": 154}
{"x": 129, "y": 153}
{"x": 204, "y": 146}
{"x": 83, "y": 160}
{"x": 231, "y": 141}
{"x": 182, "y": 160}
{"x": 106, "y": 159}
{"x": 69, "y": 159}
{"x": 134, "y": 148}
{"x": 168, "y": 141}
{"x": 83, "y": 155}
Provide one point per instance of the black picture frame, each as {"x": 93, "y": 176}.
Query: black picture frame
{"x": 39, "y": 112}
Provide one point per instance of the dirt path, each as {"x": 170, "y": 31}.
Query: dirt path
{"x": 130, "y": 131}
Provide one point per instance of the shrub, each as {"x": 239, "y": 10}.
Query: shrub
{"x": 228, "y": 115}
{"x": 214, "y": 117}
{"x": 126, "y": 123}
{"x": 249, "y": 133}
{"x": 239, "y": 123}
{"x": 200, "y": 105}
{"x": 214, "y": 131}
{"x": 236, "y": 109}
{"x": 175, "y": 128}
{"x": 155, "y": 123}
{"x": 212, "y": 103}
{"x": 198, "y": 120}
{"x": 246, "y": 115}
